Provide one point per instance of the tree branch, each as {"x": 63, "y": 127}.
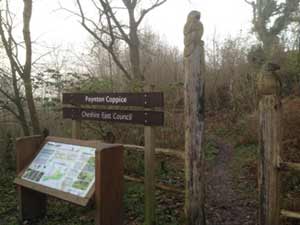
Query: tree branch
{"x": 109, "y": 48}
{"x": 4, "y": 105}
{"x": 106, "y": 7}
{"x": 26, "y": 34}
{"x": 146, "y": 11}
{"x": 7, "y": 45}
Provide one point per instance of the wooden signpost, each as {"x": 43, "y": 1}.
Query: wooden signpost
{"x": 71, "y": 170}
{"x": 147, "y": 117}
{"x": 147, "y": 100}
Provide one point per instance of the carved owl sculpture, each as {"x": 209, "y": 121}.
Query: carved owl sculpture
{"x": 269, "y": 81}
{"x": 193, "y": 32}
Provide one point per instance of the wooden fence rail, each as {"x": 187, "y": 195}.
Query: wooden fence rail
{"x": 168, "y": 152}
{"x": 290, "y": 214}
{"x": 159, "y": 186}
{"x": 287, "y": 166}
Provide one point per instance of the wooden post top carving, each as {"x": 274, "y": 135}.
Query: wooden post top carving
{"x": 193, "y": 32}
{"x": 269, "y": 82}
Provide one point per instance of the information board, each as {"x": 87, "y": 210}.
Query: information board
{"x": 64, "y": 167}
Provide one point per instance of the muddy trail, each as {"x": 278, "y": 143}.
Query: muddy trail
{"x": 226, "y": 205}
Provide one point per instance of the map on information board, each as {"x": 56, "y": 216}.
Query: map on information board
{"x": 65, "y": 167}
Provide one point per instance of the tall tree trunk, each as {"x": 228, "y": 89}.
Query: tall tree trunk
{"x": 134, "y": 48}
{"x": 26, "y": 76}
{"x": 31, "y": 107}
{"x": 18, "y": 102}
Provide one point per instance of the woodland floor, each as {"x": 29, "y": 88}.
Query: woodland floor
{"x": 226, "y": 204}
{"x": 231, "y": 195}
{"x": 230, "y": 198}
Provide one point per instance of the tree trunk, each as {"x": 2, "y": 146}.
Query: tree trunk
{"x": 31, "y": 107}
{"x": 194, "y": 113}
{"x": 25, "y": 127}
{"x": 26, "y": 76}
{"x": 18, "y": 102}
{"x": 134, "y": 48}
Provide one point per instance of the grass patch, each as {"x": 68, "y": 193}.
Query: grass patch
{"x": 211, "y": 149}
{"x": 8, "y": 198}
{"x": 169, "y": 209}
{"x": 244, "y": 167}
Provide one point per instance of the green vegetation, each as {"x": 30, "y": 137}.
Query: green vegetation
{"x": 211, "y": 149}
{"x": 244, "y": 168}
{"x": 62, "y": 213}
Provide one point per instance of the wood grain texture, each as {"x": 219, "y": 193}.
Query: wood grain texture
{"x": 290, "y": 214}
{"x": 194, "y": 125}
{"x": 76, "y": 129}
{"x": 163, "y": 187}
{"x": 26, "y": 149}
{"x": 287, "y": 166}
{"x": 149, "y": 158}
{"x": 169, "y": 152}
{"x": 270, "y": 130}
{"x": 109, "y": 186}
{"x": 32, "y": 204}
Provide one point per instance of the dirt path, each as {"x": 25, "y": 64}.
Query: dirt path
{"x": 225, "y": 205}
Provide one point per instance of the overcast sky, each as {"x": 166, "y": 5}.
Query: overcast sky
{"x": 229, "y": 17}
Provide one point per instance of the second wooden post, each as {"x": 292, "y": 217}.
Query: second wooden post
{"x": 270, "y": 111}
{"x": 149, "y": 176}
{"x": 149, "y": 158}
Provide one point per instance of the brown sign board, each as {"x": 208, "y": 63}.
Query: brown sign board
{"x": 147, "y": 118}
{"x": 148, "y": 100}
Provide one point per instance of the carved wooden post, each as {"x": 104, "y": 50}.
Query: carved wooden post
{"x": 194, "y": 113}
{"x": 270, "y": 110}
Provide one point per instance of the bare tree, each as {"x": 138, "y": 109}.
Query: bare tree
{"x": 109, "y": 29}
{"x": 11, "y": 96}
{"x": 11, "y": 49}
{"x": 11, "y": 99}
{"x": 270, "y": 18}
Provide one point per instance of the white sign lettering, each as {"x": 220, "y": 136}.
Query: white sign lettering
{"x": 107, "y": 100}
